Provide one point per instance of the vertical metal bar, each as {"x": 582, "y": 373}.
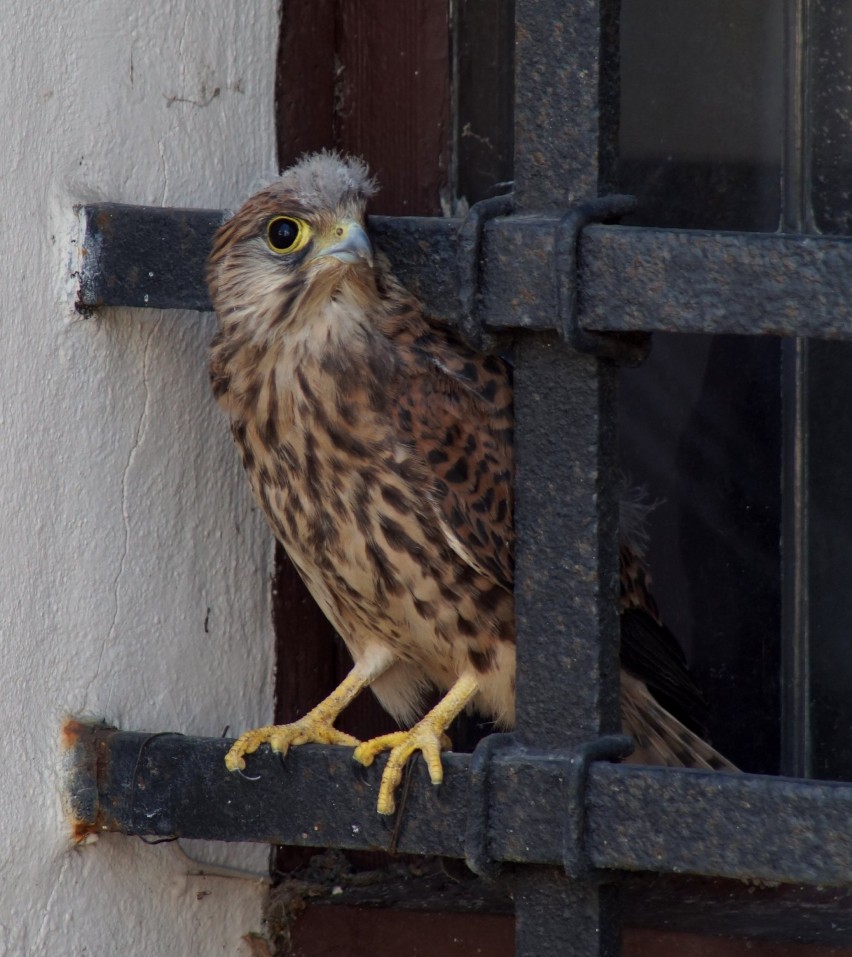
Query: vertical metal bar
{"x": 827, "y": 145}
{"x": 565, "y": 497}
{"x": 566, "y": 572}
{"x": 557, "y": 53}
{"x": 796, "y": 737}
{"x": 562, "y": 919}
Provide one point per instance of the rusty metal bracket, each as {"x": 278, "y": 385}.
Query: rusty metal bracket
{"x": 477, "y": 853}
{"x": 468, "y": 258}
{"x": 573, "y": 768}
{"x": 575, "y": 857}
{"x": 625, "y": 348}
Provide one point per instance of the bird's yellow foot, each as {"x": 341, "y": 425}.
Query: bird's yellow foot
{"x": 427, "y": 736}
{"x": 312, "y": 729}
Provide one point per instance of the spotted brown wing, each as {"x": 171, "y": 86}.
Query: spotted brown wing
{"x": 455, "y": 406}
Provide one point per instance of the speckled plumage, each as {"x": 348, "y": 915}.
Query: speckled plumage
{"x": 379, "y": 446}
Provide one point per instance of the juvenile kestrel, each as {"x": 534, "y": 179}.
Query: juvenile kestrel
{"x": 379, "y": 447}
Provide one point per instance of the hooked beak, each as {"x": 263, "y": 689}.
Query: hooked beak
{"x": 350, "y": 244}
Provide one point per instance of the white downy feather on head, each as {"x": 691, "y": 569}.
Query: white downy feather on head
{"x": 324, "y": 179}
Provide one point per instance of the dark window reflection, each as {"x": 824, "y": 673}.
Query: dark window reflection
{"x": 702, "y": 112}
{"x": 829, "y": 467}
{"x": 701, "y": 139}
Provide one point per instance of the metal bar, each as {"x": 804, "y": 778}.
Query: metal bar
{"x": 557, "y": 54}
{"x": 554, "y": 915}
{"x": 637, "y": 819}
{"x": 565, "y": 496}
{"x": 635, "y": 278}
{"x": 144, "y": 256}
{"x": 565, "y": 510}
{"x": 692, "y": 281}
{"x": 631, "y": 278}
{"x": 567, "y": 681}
{"x": 816, "y": 397}
{"x": 154, "y": 258}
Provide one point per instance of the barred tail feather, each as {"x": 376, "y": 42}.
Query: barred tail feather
{"x": 659, "y": 737}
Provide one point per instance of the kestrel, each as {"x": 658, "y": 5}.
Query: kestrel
{"x": 379, "y": 447}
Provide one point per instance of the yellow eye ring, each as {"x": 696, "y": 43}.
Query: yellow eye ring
{"x": 284, "y": 234}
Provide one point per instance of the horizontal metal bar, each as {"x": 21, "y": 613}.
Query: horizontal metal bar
{"x": 692, "y": 281}
{"x": 150, "y": 257}
{"x": 144, "y": 256}
{"x": 631, "y": 278}
{"x": 667, "y": 280}
{"x": 637, "y": 819}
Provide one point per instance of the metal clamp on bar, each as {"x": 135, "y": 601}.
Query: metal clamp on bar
{"x": 624, "y": 348}
{"x": 576, "y": 766}
{"x": 477, "y": 854}
{"x": 468, "y": 258}
{"x": 613, "y": 747}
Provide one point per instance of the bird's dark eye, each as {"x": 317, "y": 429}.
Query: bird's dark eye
{"x": 286, "y": 235}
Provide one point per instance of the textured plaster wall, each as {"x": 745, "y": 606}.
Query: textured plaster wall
{"x": 133, "y": 569}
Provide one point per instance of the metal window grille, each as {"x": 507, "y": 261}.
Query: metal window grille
{"x": 578, "y": 293}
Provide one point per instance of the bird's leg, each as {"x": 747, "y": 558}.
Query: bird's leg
{"x": 427, "y": 736}
{"x": 317, "y": 726}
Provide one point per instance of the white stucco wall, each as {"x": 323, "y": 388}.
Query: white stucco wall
{"x": 125, "y": 521}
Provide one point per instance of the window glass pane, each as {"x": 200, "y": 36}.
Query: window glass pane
{"x": 702, "y": 110}
{"x": 701, "y": 144}
{"x": 829, "y": 511}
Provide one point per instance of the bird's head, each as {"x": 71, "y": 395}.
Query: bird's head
{"x": 295, "y": 243}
